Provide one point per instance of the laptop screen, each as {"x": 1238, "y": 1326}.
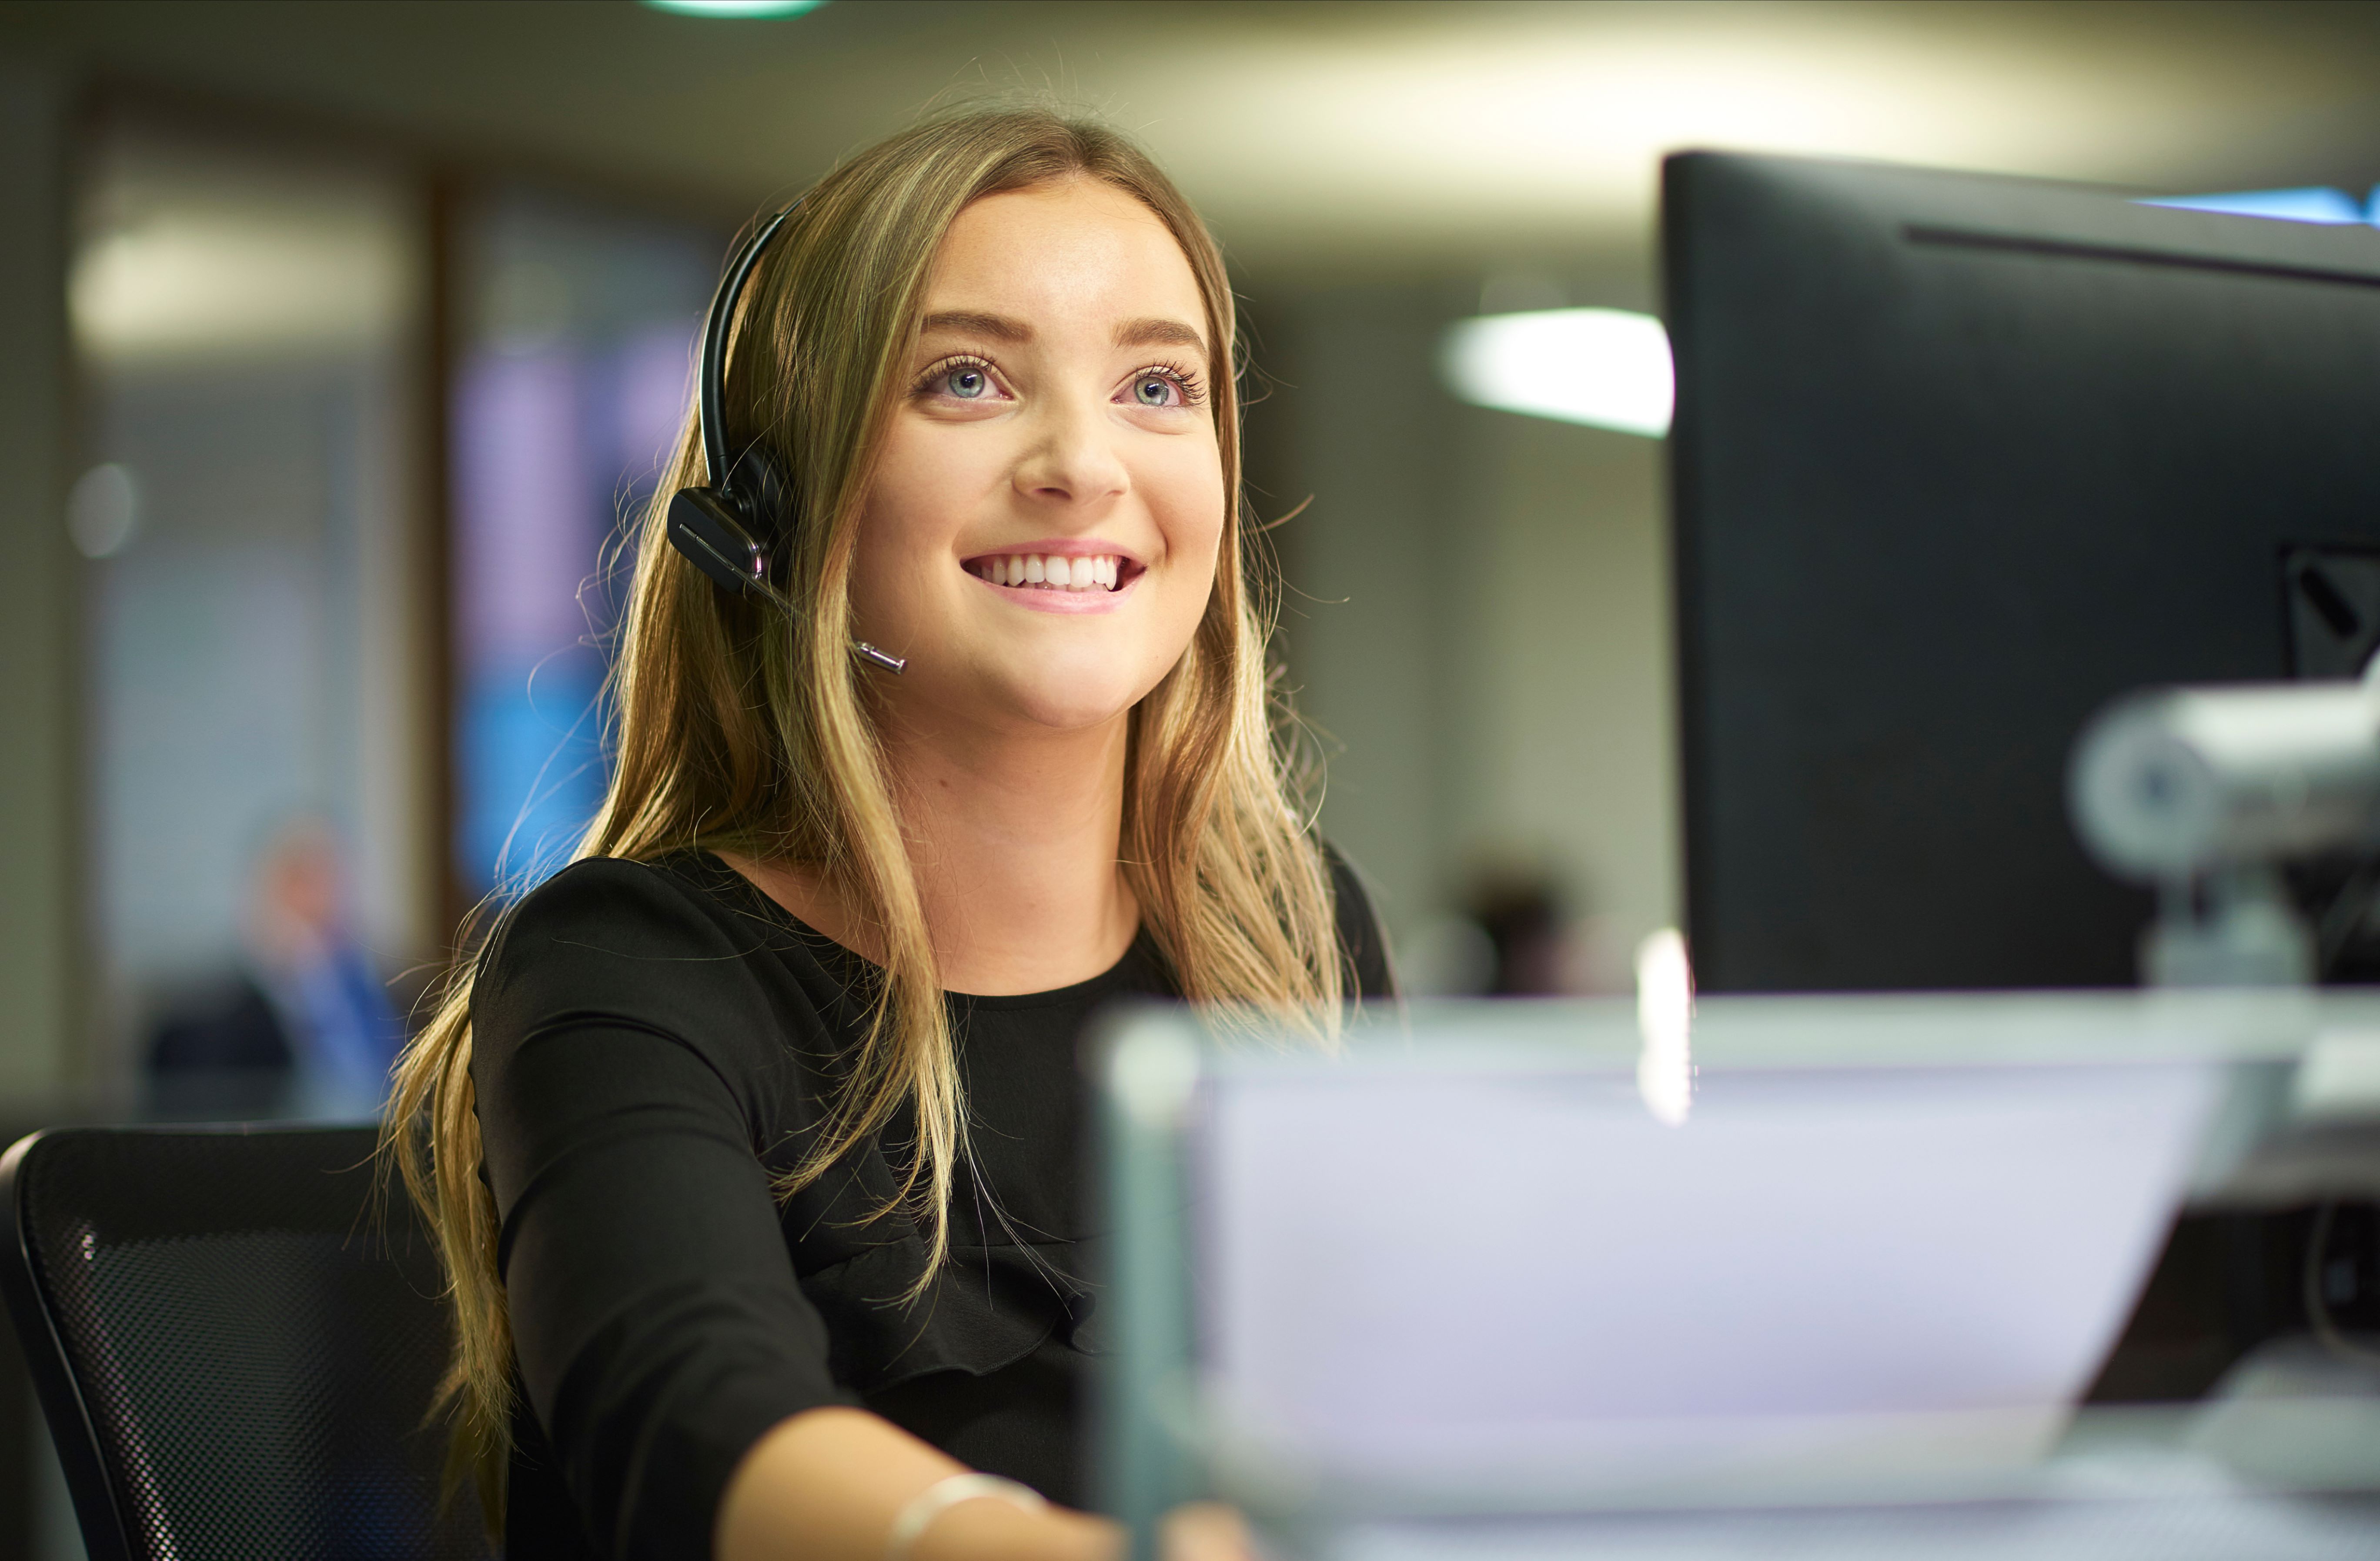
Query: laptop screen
{"x": 1427, "y": 1270}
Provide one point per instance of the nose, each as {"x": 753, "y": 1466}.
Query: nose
{"x": 1072, "y": 462}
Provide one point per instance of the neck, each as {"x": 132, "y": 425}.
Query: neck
{"x": 1013, "y": 842}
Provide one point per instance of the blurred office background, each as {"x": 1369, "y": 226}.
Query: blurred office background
{"x": 337, "y": 342}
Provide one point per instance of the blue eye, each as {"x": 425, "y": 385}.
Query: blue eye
{"x": 967, "y": 384}
{"x": 1153, "y": 390}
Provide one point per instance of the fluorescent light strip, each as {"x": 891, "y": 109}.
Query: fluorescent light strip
{"x": 736, "y": 8}
{"x": 1605, "y": 368}
{"x": 2314, "y": 204}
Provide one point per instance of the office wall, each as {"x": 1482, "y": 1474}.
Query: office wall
{"x": 244, "y": 320}
{"x": 1566, "y": 757}
{"x": 1354, "y": 430}
{"x": 38, "y": 811}
{"x": 1478, "y": 624}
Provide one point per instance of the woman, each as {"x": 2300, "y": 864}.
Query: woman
{"x": 752, "y": 1137}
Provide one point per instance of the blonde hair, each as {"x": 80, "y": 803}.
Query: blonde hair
{"x": 732, "y": 734}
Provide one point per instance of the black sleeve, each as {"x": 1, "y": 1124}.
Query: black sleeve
{"x": 1364, "y": 948}
{"x": 626, "y": 1061}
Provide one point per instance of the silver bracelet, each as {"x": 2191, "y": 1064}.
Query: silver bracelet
{"x": 919, "y": 1511}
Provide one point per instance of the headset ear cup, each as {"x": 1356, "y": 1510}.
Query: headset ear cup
{"x": 706, "y": 525}
{"x": 766, "y": 498}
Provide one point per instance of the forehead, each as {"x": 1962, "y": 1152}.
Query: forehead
{"x": 1078, "y": 250}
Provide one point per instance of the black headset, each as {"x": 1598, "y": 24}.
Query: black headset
{"x": 731, "y": 526}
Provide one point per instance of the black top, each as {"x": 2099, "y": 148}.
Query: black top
{"x": 653, "y": 1043}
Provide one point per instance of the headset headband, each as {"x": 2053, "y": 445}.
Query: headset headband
{"x": 714, "y": 349}
{"x": 723, "y": 528}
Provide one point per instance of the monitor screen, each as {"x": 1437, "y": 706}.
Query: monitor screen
{"x": 1956, "y": 460}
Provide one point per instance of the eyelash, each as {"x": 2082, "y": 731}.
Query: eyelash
{"x": 1194, "y": 392}
{"x": 948, "y": 365}
{"x": 1194, "y": 389}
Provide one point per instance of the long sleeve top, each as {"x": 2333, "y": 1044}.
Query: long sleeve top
{"x": 654, "y": 1045}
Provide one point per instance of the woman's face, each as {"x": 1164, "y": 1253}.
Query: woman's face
{"x": 1039, "y": 538}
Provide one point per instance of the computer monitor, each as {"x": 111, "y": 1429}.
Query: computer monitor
{"x": 1956, "y": 460}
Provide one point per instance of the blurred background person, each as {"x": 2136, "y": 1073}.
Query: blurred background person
{"x": 1518, "y": 927}
{"x": 1528, "y": 935}
{"x": 305, "y": 1027}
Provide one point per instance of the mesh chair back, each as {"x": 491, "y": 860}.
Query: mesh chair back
{"x": 235, "y": 1344}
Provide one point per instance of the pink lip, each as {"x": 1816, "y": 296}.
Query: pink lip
{"x": 1042, "y": 600}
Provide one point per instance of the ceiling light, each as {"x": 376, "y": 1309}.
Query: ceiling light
{"x": 1606, "y": 367}
{"x": 229, "y": 280}
{"x": 736, "y": 8}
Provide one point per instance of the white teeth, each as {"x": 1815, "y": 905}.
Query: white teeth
{"x": 1099, "y": 571}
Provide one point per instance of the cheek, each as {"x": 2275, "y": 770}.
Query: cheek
{"x": 1187, "y": 503}
{"x": 1186, "y": 498}
{"x": 913, "y": 509}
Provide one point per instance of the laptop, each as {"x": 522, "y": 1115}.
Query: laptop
{"x": 1764, "y": 1276}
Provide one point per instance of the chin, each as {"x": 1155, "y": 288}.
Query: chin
{"x": 1064, "y": 708}
{"x": 1062, "y": 686}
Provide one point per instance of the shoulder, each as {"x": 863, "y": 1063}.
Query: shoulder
{"x": 1361, "y": 943}
{"x": 654, "y": 945}
{"x": 607, "y": 908}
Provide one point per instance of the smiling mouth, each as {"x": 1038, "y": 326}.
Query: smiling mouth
{"x": 1053, "y": 572}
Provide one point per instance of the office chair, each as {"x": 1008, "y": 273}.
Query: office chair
{"x": 234, "y": 1342}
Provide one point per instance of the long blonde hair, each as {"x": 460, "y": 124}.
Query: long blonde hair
{"x": 731, "y": 733}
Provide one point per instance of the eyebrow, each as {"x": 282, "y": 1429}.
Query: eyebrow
{"x": 1149, "y": 332}
{"x": 968, "y": 322}
{"x": 1157, "y": 334}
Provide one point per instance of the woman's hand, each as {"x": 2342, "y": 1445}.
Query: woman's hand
{"x": 1206, "y": 1530}
{"x": 830, "y": 1485}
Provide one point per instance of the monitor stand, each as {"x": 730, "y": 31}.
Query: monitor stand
{"x": 2235, "y": 928}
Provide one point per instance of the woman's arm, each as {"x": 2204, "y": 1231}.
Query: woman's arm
{"x": 626, "y": 1063}
{"x": 827, "y": 1484}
